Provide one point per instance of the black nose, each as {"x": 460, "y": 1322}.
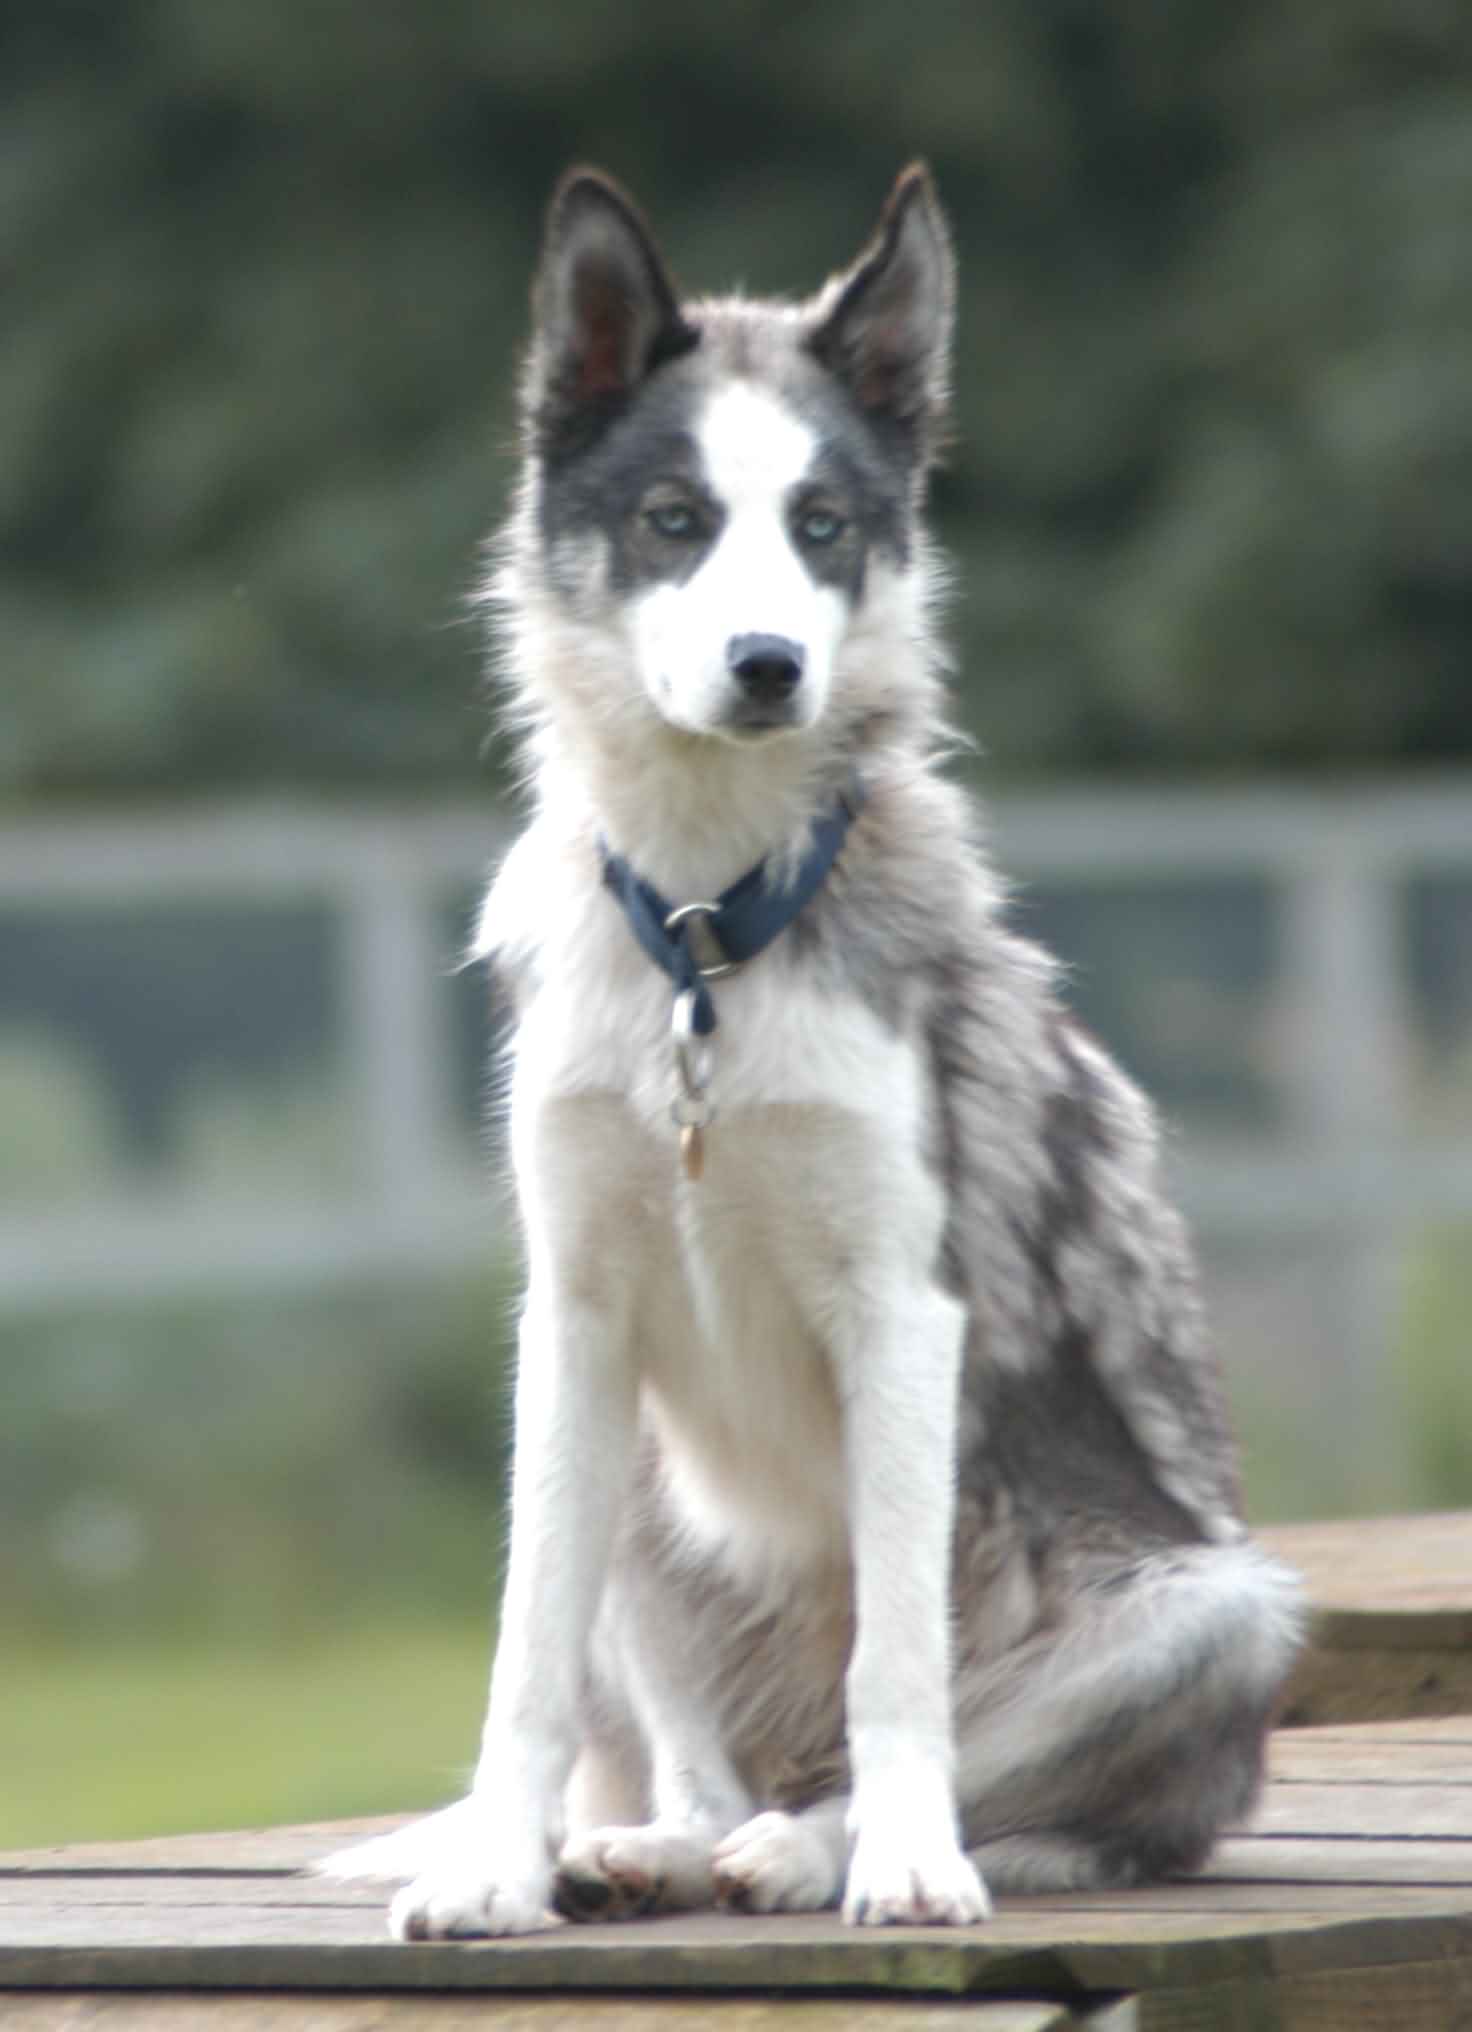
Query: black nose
{"x": 767, "y": 667}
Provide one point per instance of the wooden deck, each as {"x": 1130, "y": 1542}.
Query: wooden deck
{"x": 1347, "y": 1903}
{"x": 1393, "y": 1617}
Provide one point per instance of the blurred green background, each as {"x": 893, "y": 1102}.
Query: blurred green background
{"x": 265, "y": 271}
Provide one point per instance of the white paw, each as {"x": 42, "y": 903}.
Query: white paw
{"x": 776, "y": 1864}
{"x": 467, "y": 1904}
{"x": 623, "y": 1872}
{"x": 890, "y": 1884}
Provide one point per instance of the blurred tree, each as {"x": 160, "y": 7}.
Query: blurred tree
{"x": 265, "y": 261}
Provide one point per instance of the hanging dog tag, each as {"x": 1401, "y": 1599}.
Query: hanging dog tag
{"x": 691, "y": 1111}
{"x": 692, "y": 1114}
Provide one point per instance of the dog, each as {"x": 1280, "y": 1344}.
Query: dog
{"x": 875, "y": 1526}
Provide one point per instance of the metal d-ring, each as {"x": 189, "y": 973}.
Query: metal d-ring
{"x": 677, "y": 919}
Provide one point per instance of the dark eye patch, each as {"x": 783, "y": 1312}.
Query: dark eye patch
{"x": 856, "y": 467}
{"x": 827, "y": 526}
{"x": 671, "y": 529}
{"x": 646, "y": 459}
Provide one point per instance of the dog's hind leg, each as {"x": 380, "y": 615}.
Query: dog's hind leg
{"x": 785, "y": 1862}
{"x": 1102, "y": 1752}
{"x": 622, "y": 1871}
{"x": 1115, "y": 1747}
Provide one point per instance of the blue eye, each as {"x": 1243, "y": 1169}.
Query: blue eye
{"x": 676, "y": 520}
{"x": 820, "y": 525}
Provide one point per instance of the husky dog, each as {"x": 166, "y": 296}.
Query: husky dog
{"x": 875, "y": 1530}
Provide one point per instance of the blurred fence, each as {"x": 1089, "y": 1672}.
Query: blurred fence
{"x": 237, "y": 1048}
{"x": 235, "y": 1044}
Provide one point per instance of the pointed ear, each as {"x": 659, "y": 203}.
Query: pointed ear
{"x": 884, "y": 325}
{"x": 604, "y": 310}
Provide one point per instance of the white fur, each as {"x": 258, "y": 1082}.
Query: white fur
{"x": 784, "y": 1862}
{"x": 795, "y": 1357}
{"x": 754, "y": 453}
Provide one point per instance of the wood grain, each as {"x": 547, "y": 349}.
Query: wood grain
{"x": 282, "y": 2011}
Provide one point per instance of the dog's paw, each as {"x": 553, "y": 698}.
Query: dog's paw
{"x": 775, "y": 1863}
{"x": 625, "y": 1872}
{"x": 890, "y": 1884}
{"x": 469, "y": 1905}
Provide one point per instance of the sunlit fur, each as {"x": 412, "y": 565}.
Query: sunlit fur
{"x": 875, "y": 1522}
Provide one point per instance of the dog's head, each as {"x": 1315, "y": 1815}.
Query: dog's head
{"x": 723, "y": 481}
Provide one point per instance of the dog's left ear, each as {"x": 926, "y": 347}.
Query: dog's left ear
{"x": 604, "y": 308}
{"x": 885, "y": 323}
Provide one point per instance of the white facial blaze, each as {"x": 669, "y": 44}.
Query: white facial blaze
{"x": 753, "y": 582}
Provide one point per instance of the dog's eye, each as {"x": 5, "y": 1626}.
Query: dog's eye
{"x": 819, "y": 526}
{"x": 676, "y": 520}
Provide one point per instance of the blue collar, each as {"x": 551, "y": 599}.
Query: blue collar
{"x": 742, "y": 920}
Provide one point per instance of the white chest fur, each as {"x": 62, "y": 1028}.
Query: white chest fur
{"x": 738, "y": 1290}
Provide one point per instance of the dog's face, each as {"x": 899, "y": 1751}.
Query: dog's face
{"x": 722, "y": 480}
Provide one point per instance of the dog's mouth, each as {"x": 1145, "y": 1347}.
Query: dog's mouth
{"x": 754, "y": 719}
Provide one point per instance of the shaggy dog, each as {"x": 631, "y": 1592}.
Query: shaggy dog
{"x": 875, "y": 1529}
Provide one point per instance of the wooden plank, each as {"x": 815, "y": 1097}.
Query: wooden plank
{"x": 110, "y": 1905}
{"x": 1336, "y": 1683}
{"x": 1416, "y": 1570}
{"x": 1398, "y": 1753}
{"x": 1409, "y": 1997}
{"x": 1356, "y": 1808}
{"x": 235, "y": 1853}
{"x": 1271, "y": 1859}
{"x": 1040, "y": 1953}
{"x": 1450, "y": 1731}
{"x": 354, "y": 1911}
{"x": 281, "y": 2011}
{"x": 1392, "y": 1617}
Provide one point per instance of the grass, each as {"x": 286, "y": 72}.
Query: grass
{"x": 172, "y": 1738}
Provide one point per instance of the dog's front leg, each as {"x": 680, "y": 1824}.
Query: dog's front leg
{"x": 899, "y": 1381}
{"x": 574, "y": 1431}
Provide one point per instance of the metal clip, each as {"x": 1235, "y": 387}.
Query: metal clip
{"x": 692, "y": 1051}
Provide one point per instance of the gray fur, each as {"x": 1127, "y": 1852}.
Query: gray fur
{"x": 1097, "y": 1495}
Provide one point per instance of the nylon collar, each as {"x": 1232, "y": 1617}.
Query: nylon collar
{"x": 743, "y": 919}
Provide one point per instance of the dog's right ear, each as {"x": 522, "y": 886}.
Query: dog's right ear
{"x": 884, "y": 325}
{"x": 604, "y": 310}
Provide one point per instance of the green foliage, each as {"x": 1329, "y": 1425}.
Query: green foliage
{"x": 251, "y": 1470}
{"x": 134, "y": 1739}
{"x": 266, "y": 269}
